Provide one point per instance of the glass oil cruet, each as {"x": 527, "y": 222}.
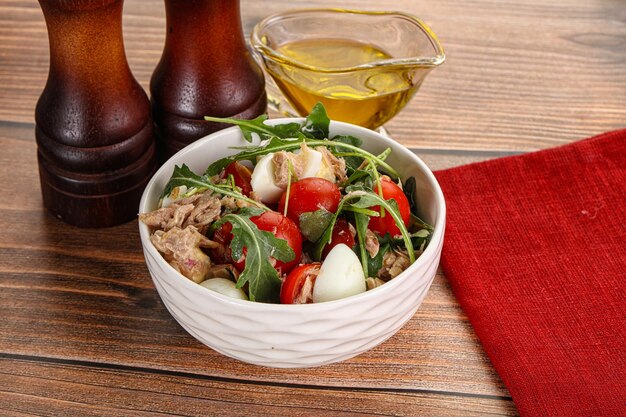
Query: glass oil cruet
{"x": 364, "y": 66}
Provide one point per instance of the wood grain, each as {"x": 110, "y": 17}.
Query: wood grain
{"x": 52, "y": 387}
{"x": 519, "y": 75}
{"x": 82, "y": 297}
{"x": 87, "y": 295}
{"x": 84, "y": 331}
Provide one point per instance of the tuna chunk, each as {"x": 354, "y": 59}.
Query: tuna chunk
{"x": 182, "y": 249}
{"x": 198, "y": 210}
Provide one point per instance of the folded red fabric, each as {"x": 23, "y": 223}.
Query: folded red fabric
{"x": 535, "y": 250}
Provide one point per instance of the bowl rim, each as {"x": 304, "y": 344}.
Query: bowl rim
{"x": 426, "y": 256}
{"x": 437, "y": 58}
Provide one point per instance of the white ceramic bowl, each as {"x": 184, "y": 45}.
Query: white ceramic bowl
{"x": 293, "y": 336}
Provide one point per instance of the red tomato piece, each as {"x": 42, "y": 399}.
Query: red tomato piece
{"x": 384, "y": 225}
{"x": 310, "y": 194}
{"x": 341, "y": 234}
{"x": 241, "y": 174}
{"x": 282, "y": 228}
{"x": 291, "y": 290}
{"x": 270, "y": 221}
{"x": 223, "y": 235}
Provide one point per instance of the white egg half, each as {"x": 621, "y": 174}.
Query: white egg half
{"x": 325, "y": 172}
{"x": 262, "y": 180}
{"x": 341, "y": 275}
{"x": 315, "y": 165}
{"x": 312, "y": 162}
{"x": 225, "y": 287}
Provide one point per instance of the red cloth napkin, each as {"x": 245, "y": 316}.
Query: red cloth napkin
{"x": 535, "y": 249}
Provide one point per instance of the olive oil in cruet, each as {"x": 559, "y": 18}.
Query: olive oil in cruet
{"x": 347, "y": 76}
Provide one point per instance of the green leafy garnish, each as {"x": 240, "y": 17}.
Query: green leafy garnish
{"x": 362, "y": 198}
{"x": 374, "y": 264}
{"x": 421, "y": 238}
{"x": 287, "y": 137}
{"x": 363, "y": 192}
{"x": 409, "y": 191}
{"x": 353, "y": 160}
{"x": 248, "y": 127}
{"x": 263, "y": 280}
{"x": 362, "y": 221}
{"x": 417, "y": 223}
{"x": 313, "y": 224}
{"x": 315, "y": 126}
{"x": 182, "y": 175}
{"x": 317, "y": 123}
{"x": 409, "y": 188}
{"x": 250, "y": 153}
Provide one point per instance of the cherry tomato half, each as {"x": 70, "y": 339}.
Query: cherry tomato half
{"x": 291, "y": 289}
{"x": 241, "y": 175}
{"x": 270, "y": 221}
{"x": 384, "y": 225}
{"x": 341, "y": 234}
{"x": 282, "y": 228}
{"x": 310, "y": 194}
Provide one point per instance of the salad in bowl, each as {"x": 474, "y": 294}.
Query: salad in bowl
{"x": 292, "y": 242}
{"x": 297, "y": 218}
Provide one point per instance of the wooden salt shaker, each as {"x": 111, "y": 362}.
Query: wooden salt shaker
{"x": 205, "y": 70}
{"x": 94, "y": 131}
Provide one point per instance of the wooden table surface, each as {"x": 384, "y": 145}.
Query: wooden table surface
{"x": 82, "y": 329}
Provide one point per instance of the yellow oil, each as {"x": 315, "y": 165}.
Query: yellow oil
{"x": 367, "y": 98}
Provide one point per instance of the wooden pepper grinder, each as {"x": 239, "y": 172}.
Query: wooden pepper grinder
{"x": 94, "y": 132}
{"x": 205, "y": 70}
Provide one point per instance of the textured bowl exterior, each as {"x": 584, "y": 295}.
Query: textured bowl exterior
{"x": 292, "y": 336}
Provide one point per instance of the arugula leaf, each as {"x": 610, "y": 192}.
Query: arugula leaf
{"x": 362, "y": 177}
{"x": 314, "y": 131}
{"x": 315, "y": 126}
{"x": 352, "y": 162}
{"x": 374, "y": 264}
{"x": 366, "y": 211}
{"x": 248, "y": 127}
{"x": 421, "y": 239}
{"x": 362, "y": 221}
{"x": 349, "y": 139}
{"x": 182, "y": 175}
{"x": 317, "y": 123}
{"x": 416, "y": 222}
{"x": 364, "y": 170}
{"x": 287, "y": 130}
{"x": 250, "y": 153}
{"x": 263, "y": 280}
{"x": 314, "y": 223}
{"x": 366, "y": 198}
{"x": 359, "y": 197}
{"x": 409, "y": 191}
{"x": 218, "y": 166}
{"x": 250, "y": 212}
{"x": 318, "y": 247}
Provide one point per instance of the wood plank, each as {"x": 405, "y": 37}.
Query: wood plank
{"x": 86, "y": 295}
{"x": 521, "y": 75}
{"x": 83, "y": 330}
{"x": 109, "y": 319}
{"x": 60, "y": 388}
